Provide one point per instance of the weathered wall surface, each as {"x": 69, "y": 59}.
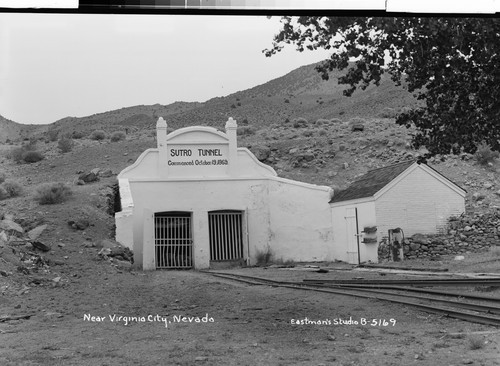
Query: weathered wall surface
{"x": 200, "y": 197}
{"x": 419, "y": 203}
{"x": 300, "y": 221}
{"x": 366, "y": 217}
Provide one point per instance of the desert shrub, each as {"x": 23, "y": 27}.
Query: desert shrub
{"x": 405, "y": 109}
{"x": 485, "y": 155}
{"x": 98, "y": 135}
{"x": 3, "y": 193}
{"x": 32, "y": 156}
{"x": 233, "y": 106}
{"x": 65, "y": 144}
{"x": 31, "y": 145}
{"x": 52, "y": 135}
{"x": 388, "y": 113}
{"x": 335, "y": 120}
{"x": 244, "y": 122}
{"x": 322, "y": 132}
{"x": 475, "y": 343}
{"x": 300, "y": 122}
{"x": 50, "y": 193}
{"x": 12, "y": 188}
{"x": 16, "y": 154}
{"x": 245, "y": 130}
{"x": 287, "y": 100}
{"x": 77, "y": 135}
{"x": 2, "y": 177}
{"x": 118, "y": 136}
{"x": 307, "y": 133}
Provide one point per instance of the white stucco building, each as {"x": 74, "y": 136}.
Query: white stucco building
{"x": 198, "y": 199}
{"x": 407, "y": 195}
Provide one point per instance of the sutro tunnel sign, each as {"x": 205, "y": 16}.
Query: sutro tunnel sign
{"x": 197, "y": 156}
{"x": 197, "y": 151}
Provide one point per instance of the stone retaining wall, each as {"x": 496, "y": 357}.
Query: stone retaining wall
{"x": 470, "y": 233}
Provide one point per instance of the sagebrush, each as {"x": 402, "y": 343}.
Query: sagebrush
{"x": 245, "y": 130}
{"x": 3, "y": 193}
{"x": 300, "y": 122}
{"x": 32, "y": 156}
{"x": 12, "y": 188}
{"x": 118, "y": 136}
{"x": 65, "y": 144}
{"x": 50, "y": 193}
{"x": 98, "y": 135}
{"x": 485, "y": 155}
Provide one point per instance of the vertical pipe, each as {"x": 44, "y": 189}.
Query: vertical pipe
{"x": 182, "y": 258}
{"x": 237, "y": 235}
{"x": 224, "y": 237}
{"x": 218, "y": 236}
{"x": 226, "y": 248}
{"x": 233, "y": 236}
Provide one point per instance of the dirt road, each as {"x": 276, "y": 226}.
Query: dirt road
{"x": 191, "y": 318}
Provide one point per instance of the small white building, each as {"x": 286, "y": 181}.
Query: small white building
{"x": 409, "y": 195}
{"x": 198, "y": 199}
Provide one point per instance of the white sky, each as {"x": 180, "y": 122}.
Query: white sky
{"x": 58, "y": 65}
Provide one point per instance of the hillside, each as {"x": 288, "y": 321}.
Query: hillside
{"x": 60, "y": 264}
{"x": 300, "y": 93}
{"x": 9, "y": 130}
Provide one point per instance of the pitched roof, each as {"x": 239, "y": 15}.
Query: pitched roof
{"x": 372, "y": 182}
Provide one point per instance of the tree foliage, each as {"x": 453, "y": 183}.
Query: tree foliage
{"x": 451, "y": 64}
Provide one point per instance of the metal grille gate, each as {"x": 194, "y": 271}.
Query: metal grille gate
{"x": 226, "y": 235}
{"x": 173, "y": 240}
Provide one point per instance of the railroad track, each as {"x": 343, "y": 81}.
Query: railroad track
{"x": 472, "y": 308}
{"x": 413, "y": 282}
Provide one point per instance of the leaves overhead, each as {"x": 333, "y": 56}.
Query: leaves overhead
{"x": 451, "y": 64}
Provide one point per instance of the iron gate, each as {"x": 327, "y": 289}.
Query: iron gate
{"x": 173, "y": 240}
{"x": 226, "y": 235}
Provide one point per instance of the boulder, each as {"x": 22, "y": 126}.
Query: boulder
{"x": 357, "y": 127}
{"x": 9, "y": 225}
{"x": 36, "y": 232}
{"x": 420, "y": 239}
{"x": 307, "y": 156}
{"x": 261, "y": 152}
{"x": 41, "y": 246}
{"x": 106, "y": 173}
{"x": 123, "y": 264}
{"x": 88, "y": 177}
{"x": 478, "y": 196}
{"x": 80, "y": 223}
{"x": 414, "y": 246}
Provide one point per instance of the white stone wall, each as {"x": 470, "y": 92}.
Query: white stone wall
{"x": 300, "y": 226}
